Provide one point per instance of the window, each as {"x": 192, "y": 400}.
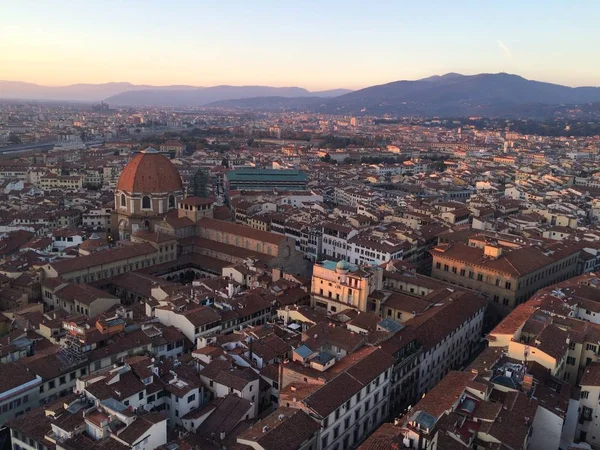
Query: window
{"x": 479, "y": 277}
{"x": 470, "y": 274}
{"x": 146, "y": 202}
{"x": 570, "y": 360}
{"x": 141, "y": 396}
{"x": 591, "y": 348}
{"x": 324, "y": 441}
{"x": 191, "y": 398}
{"x": 572, "y": 346}
{"x": 123, "y": 200}
{"x": 508, "y": 285}
{"x": 62, "y": 380}
{"x": 171, "y": 201}
{"x": 51, "y": 384}
{"x": 585, "y": 394}
{"x": 336, "y": 432}
{"x": 438, "y": 265}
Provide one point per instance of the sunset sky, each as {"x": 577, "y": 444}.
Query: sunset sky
{"x": 313, "y": 44}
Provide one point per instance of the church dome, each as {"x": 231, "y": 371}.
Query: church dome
{"x": 342, "y": 266}
{"x": 150, "y": 172}
{"x": 94, "y": 244}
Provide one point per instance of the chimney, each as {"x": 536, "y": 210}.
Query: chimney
{"x": 230, "y": 291}
{"x": 492, "y": 251}
{"x": 276, "y": 274}
{"x": 222, "y": 435}
{"x": 527, "y": 382}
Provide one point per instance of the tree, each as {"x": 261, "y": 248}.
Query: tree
{"x": 326, "y": 158}
{"x": 14, "y": 139}
{"x": 200, "y": 183}
{"x": 225, "y": 163}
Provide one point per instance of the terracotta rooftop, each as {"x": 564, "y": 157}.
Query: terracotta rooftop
{"x": 150, "y": 172}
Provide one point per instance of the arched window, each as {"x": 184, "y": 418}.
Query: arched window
{"x": 123, "y": 204}
{"x": 146, "y": 202}
{"x": 171, "y": 201}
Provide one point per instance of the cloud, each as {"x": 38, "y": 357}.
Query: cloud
{"x": 504, "y": 48}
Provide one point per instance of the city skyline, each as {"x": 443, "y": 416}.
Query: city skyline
{"x": 314, "y": 46}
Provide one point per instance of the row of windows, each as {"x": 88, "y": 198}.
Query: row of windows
{"x": 14, "y": 404}
{"x": 147, "y": 201}
{"x": 471, "y": 275}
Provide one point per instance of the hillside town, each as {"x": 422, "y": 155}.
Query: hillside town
{"x": 184, "y": 279}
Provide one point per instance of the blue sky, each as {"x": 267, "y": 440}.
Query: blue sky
{"x": 314, "y": 44}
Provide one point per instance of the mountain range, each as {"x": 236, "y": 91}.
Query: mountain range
{"x": 127, "y": 94}
{"x": 453, "y": 94}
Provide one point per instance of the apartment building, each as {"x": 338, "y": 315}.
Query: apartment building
{"x": 507, "y": 272}
{"x": 556, "y": 328}
{"x": 369, "y": 250}
{"x": 76, "y": 423}
{"x": 50, "y": 182}
{"x": 336, "y": 240}
{"x": 348, "y": 398}
{"x": 19, "y": 391}
{"x": 461, "y": 412}
{"x": 341, "y": 285}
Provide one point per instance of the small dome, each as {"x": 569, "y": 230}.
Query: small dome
{"x": 149, "y": 172}
{"x": 93, "y": 244}
{"x": 342, "y": 265}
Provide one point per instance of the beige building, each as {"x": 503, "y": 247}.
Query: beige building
{"x": 50, "y": 182}
{"x": 507, "y": 272}
{"x": 77, "y": 298}
{"x": 108, "y": 263}
{"x": 341, "y": 285}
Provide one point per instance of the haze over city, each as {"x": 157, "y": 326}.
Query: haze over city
{"x": 315, "y": 45}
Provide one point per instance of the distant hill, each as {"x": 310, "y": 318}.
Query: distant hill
{"x": 71, "y": 93}
{"x": 209, "y": 95}
{"x": 450, "y": 95}
{"x": 455, "y": 94}
{"x": 127, "y": 94}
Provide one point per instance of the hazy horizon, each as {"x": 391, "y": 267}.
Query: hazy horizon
{"x": 314, "y": 45}
{"x": 250, "y": 85}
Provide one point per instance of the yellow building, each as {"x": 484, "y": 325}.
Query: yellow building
{"x": 341, "y": 285}
{"x": 508, "y": 273}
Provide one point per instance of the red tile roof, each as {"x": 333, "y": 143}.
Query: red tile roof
{"x": 150, "y": 172}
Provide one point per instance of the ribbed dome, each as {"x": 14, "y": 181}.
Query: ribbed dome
{"x": 342, "y": 265}
{"x": 149, "y": 172}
